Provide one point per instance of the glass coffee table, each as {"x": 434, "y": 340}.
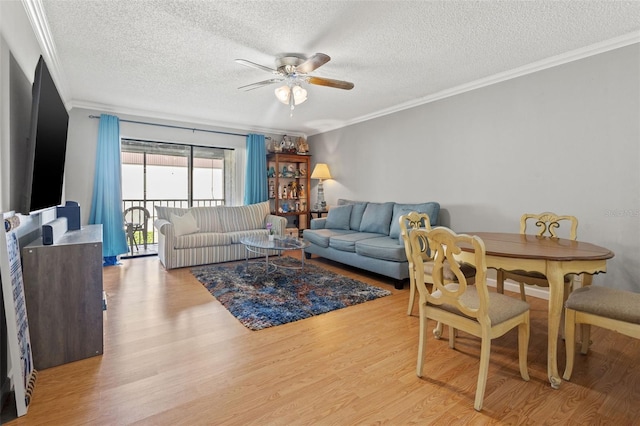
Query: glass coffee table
{"x": 261, "y": 245}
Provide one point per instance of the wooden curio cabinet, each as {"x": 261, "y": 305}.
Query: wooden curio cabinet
{"x": 288, "y": 185}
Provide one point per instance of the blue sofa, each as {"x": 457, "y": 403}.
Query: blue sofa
{"x": 366, "y": 235}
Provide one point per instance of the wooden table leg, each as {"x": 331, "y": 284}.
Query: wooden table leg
{"x": 585, "y": 329}
{"x": 555, "y": 276}
{"x": 500, "y": 281}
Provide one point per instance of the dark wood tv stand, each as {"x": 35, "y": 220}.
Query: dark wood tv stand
{"x": 63, "y": 291}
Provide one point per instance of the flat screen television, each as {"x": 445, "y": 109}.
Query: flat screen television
{"x": 46, "y": 145}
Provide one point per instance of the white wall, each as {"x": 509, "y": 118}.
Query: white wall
{"x": 566, "y": 139}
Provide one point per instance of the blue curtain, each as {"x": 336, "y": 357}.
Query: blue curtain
{"x": 106, "y": 205}
{"x": 255, "y": 187}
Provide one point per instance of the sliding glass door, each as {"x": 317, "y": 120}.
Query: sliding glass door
{"x": 175, "y": 175}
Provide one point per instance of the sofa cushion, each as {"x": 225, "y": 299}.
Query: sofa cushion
{"x": 377, "y": 218}
{"x": 320, "y": 237}
{"x": 183, "y": 225}
{"x": 356, "y": 212}
{"x": 347, "y": 242}
{"x": 243, "y": 218}
{"x": 164, "y": 212}
{"x": 385, "y": 248}
{"x": 338, "y": 217}
{"x": 236, "y": 236}
{"x": 430, "y": 208}
{"x": 202, "y": 239}
{"x": 207, "y": 218}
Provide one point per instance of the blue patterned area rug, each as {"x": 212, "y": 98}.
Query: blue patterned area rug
{"x": 260, "y": 300}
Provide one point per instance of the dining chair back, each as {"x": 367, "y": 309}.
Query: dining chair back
{"x": 414, "y": 220}
{"x": 547, "y": 225}
{"x": 462, "y": 306}
{"x": 609, "y": 308}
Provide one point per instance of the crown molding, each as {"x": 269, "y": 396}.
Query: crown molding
{"x": 38, "y": 19}
{"x": 156, "y": 115}
{"x": 550, "y": 62}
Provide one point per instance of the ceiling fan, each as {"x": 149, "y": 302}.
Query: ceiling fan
{"x": 293, "y": 70}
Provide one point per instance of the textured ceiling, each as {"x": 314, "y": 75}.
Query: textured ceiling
{"x": 175, "y": 59}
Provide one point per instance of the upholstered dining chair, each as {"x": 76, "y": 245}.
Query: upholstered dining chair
{"x": 547, "y": 223}
{"x": 136, "y": 219}
{"x": 461, "y": 306}
{"x": 609, "y": 308}
{"x": 415, "y": 220}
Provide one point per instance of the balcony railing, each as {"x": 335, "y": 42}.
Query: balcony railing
{"x": 151, "y": 204}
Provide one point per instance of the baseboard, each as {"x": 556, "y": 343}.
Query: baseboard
{"x": 529, "y": 290}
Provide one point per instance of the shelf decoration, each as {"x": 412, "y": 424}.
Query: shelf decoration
{"x": 289, "y": 186}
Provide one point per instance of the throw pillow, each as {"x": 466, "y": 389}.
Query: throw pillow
{"x": 184, "y": 225}
{"x": 356, "y": 212}
{"x": 163, "y": 212}
{"x": 377, "y": 218}
{"x": 431, "y": 208}
{"x": 338, "y": 217}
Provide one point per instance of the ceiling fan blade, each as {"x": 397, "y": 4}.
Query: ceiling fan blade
{"x": 312, "y": 63}
{"x": 338, "y": 84}
{"x": 257, "y": 66}
{"x": 259, "y": 84}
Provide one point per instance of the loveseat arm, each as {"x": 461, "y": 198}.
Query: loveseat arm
{"x": 166, "y": 243}
{"x": 278, "y": 224}
{"x": 164, "y": 227}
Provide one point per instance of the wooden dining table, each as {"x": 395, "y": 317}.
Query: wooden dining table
{"x": 553, "y": 257}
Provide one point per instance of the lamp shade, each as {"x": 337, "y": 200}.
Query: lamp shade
{"x": 283, "y": 93}
{"x": 299, "y": 94}
{"x": 321, "y": 171}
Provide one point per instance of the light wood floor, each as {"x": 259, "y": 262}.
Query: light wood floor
{"x": 173, "y": 355}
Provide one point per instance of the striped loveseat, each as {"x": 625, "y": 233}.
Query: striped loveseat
{"x": 202, "y": 235}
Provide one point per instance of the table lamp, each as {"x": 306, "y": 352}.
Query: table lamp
{"x": 320, "y": 171}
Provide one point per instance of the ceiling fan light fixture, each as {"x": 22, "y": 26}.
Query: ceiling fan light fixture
{"x": 283, "y": 93}
{"x": 299, "y": 94}
{"x": 294, "y": 70}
